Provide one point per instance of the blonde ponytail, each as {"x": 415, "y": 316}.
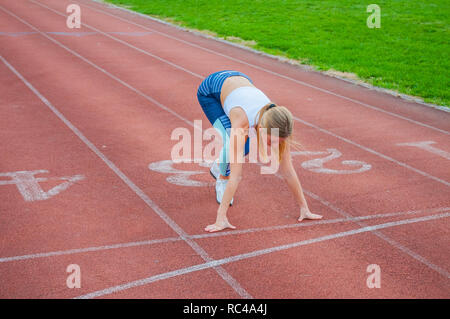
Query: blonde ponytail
{"x": 279, "y": 117}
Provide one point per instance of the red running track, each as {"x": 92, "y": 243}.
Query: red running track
{"x": 86, "y": 117}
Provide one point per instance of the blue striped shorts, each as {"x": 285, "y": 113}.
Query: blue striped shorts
{"x": 208, "y": 95}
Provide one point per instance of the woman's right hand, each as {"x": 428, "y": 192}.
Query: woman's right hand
{"x": 219, "y": 225}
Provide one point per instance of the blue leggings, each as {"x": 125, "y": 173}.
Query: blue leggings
{"x": 208, "y": 96}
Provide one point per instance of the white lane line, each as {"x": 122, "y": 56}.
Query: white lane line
{"x": 295, "y": 118}
{"x": 176, "y": 66}
{"x": 247, "y": 63}
{"x": 200, "y": 251}
{"x": 74, "y": 34}
{"x": 319, "y": 222}
{"x": 218, "y": 234}
{"x": 89, "y": 249}
{"x": 256, "y": 253}
{"x": 326, "y": 203}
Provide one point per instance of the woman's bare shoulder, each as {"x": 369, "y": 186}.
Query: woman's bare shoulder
{"x": 238, "y": 118}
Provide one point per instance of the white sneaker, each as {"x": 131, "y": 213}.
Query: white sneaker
{"x": 221, "y": 185}
{"x": 215, "y": 170}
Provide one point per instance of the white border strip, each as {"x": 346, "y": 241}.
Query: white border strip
{"x": 89, "y": 249}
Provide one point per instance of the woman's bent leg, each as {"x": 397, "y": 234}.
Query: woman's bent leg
{"x": 220, "y": 121}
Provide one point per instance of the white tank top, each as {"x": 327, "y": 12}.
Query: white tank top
{"x": 249, "y": 98}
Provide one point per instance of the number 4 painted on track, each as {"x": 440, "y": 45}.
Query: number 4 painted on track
{"x": 426, "y": 146}
{"x": 28, "y": 184}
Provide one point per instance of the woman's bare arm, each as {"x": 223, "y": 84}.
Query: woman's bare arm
{"x": 290, "y": 176}
{"x": 238, "y": 134}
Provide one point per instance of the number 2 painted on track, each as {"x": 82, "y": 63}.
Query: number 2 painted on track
{"x": 316, "y": 165}
{"x": 183, "y": 177}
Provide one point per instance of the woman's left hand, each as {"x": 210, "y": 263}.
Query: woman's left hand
{"x": 305, "y": 213}
{"x": 219, "y": 225}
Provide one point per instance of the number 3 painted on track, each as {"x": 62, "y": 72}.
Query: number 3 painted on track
{"x": 179, "y": 177}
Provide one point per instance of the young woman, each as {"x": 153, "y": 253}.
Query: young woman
{"x": 231, "y": 101}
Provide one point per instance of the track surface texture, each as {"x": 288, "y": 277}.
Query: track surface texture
{"x": 86, "y": 117}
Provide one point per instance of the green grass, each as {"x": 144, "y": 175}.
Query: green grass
{"x": 408, "y": 54}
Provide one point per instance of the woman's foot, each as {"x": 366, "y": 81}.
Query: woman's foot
{"x": 306, "y": 214}
{"x": 221, "y": 185}
{"x": 221, "y": 182}
{"x": 215, "y": 171}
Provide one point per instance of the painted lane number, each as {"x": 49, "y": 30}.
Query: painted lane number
{"x": 183, "y": 177}
{"x": 28, "y": 184}
{"x": 317, "y": 165}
